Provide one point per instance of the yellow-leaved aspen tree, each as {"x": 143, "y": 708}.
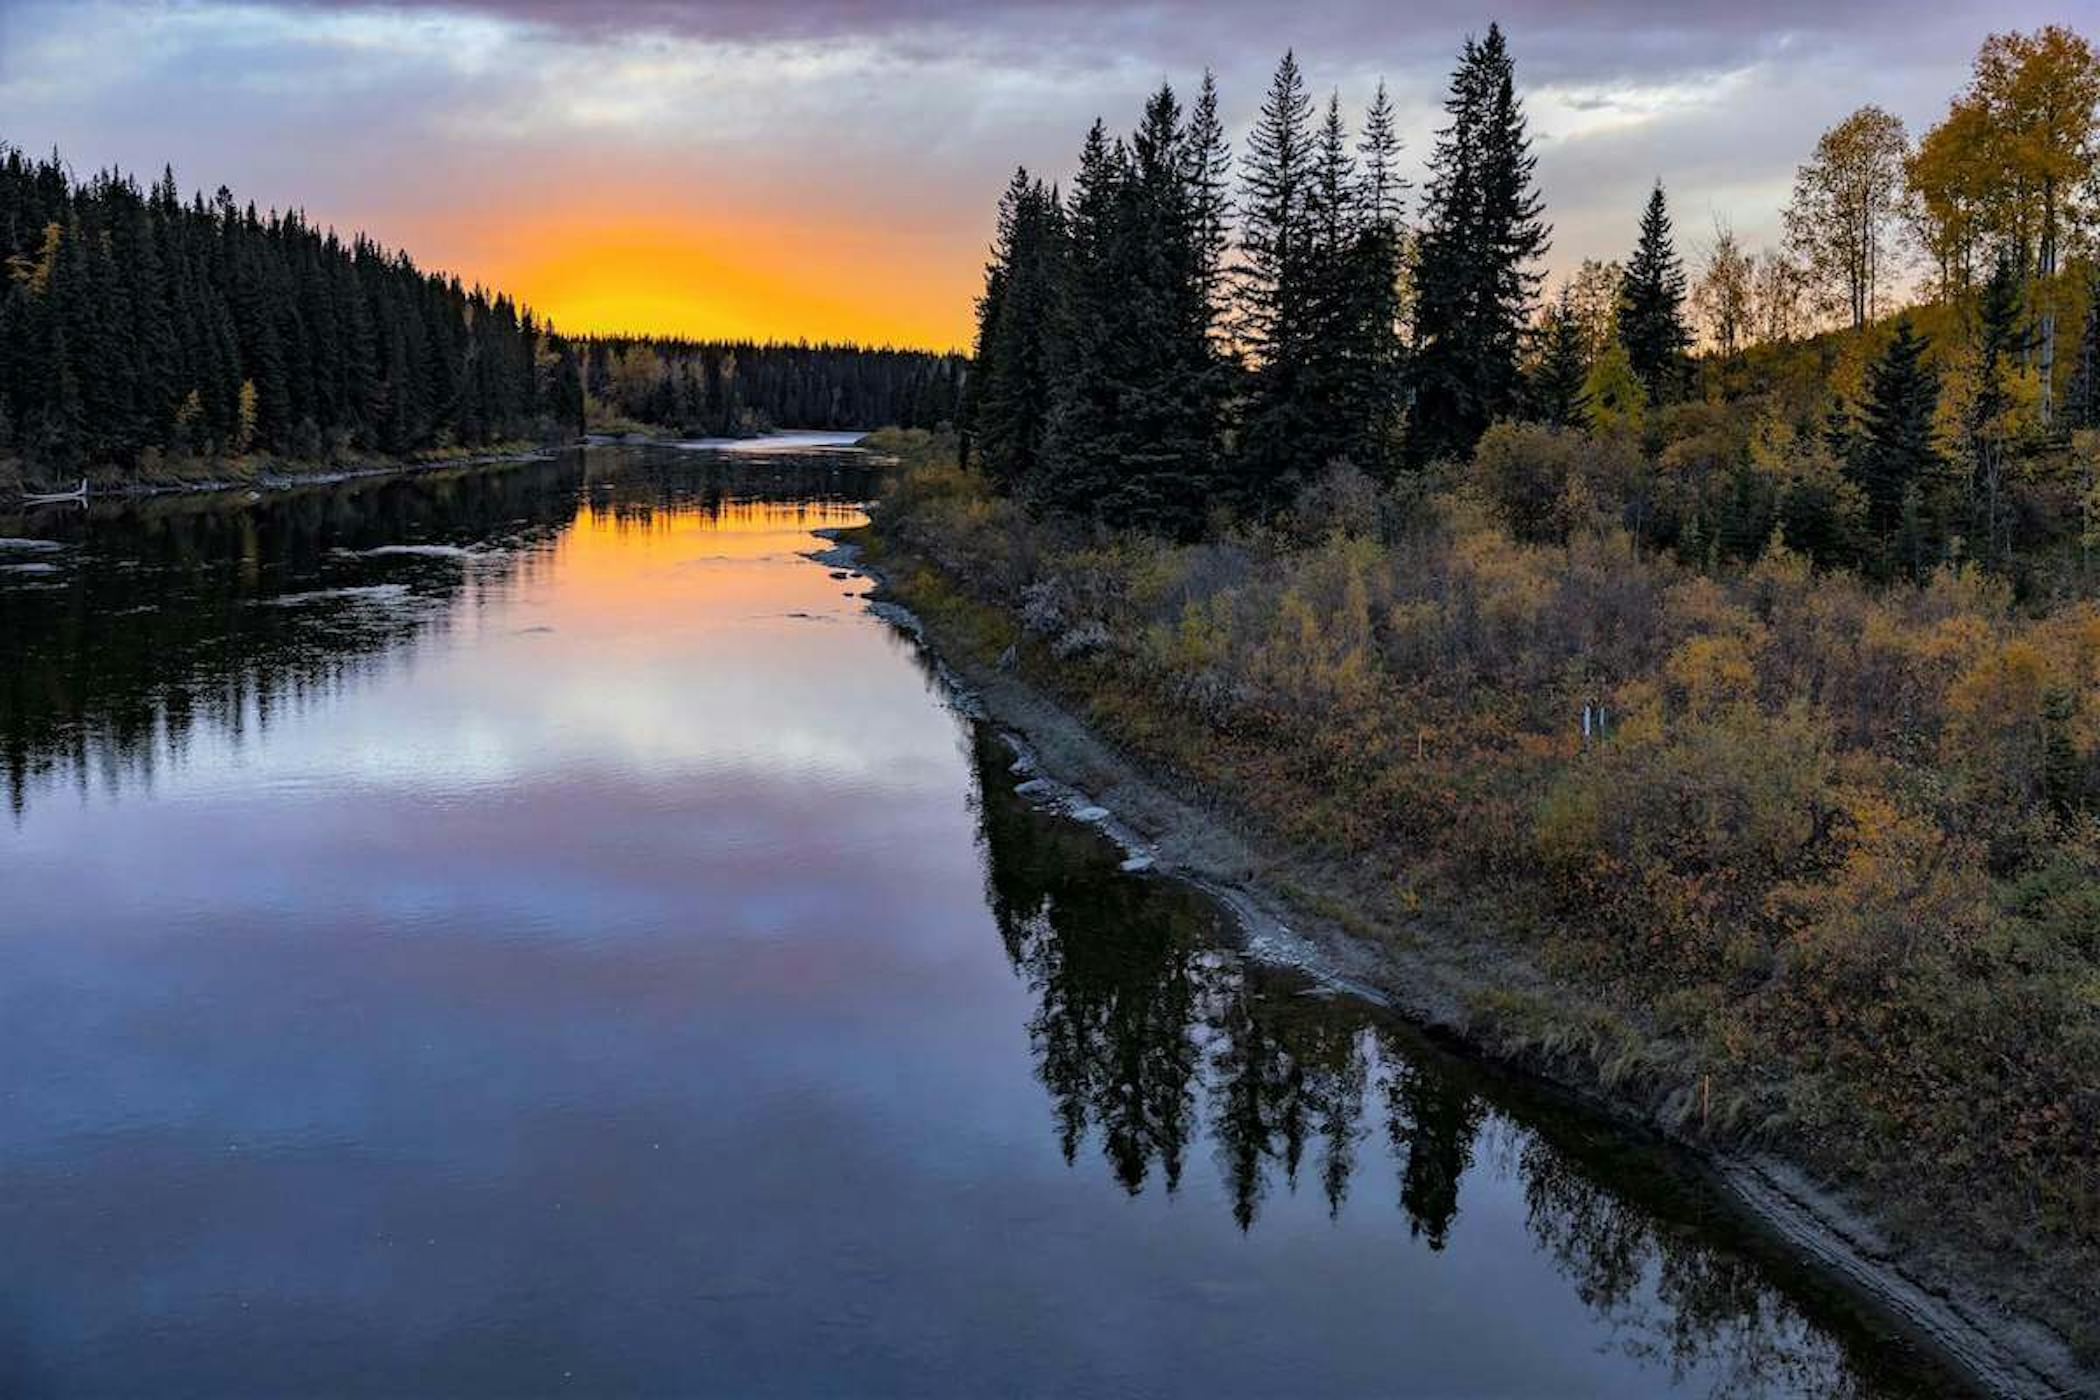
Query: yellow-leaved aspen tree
{"x": 1723, "y": 297}
{"x": 1593, "y": 300}
{"x": 2035, "y": 95}
{"x": 244, "y": 429}
{"x": 1778, "y": 283}
{"x": 1847, "y": 201}
{"x": 1952, "y": 188}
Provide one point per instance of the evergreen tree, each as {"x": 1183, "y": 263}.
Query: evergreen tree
{"x": 1207, "y": 176}
{"x": 567, "y": 403}
{"x": 1481, "y": 232}
{"x": 1651, "y": 306}
{"x": 1333, "y": 375}
{"x": 1893, "y": 454}
{"x": 1558, "y": 392}
{"x": 1449, "y": 408}
{"x": 1088, "y": 434}
{"x": 1350, "y": 380}
{"x": 1278, "y": 297}
{"x": 1381, "y": 386}
{"x": 1174, "y": 380}
{"x": 1839, "y": 433}
{"x": 998, "y": 275}
{"x": 1383, "y": 193}
{"x": 1334, "y": 194}
{"x": 1020, "y": 322}
{"x": 1134, "y": 429}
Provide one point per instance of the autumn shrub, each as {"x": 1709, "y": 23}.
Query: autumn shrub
{"x": 1342, "y": 500}
{"x": 1669, "y": 838}
{"x": 1545, "y": 483}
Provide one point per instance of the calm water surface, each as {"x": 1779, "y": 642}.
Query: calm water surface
{"x": 528, "y": 931}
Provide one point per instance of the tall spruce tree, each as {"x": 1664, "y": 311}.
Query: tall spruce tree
{"x": 1321, "y": 248}
{"x": 1174, "y": 380}
{"x": 1332, "y": 378}
{"x": 1335, "y": 192}
{"x": 1278, "y": 293}
{"x": 1384, "y": 192}
{"x": 1020, "y": 323}
{"x": 1651, "y": 306}
{"x": 998, "y": 273}
{"x": 1893, "y": 454}
{"x": 1351, "y": 380}
{"x": 1481, "y": 232}
{"x": 1376, "y": 273}
{"x": 1134, "y": 432}
{"x": 1207, "y": 176}
{"x": 1088, "y": 435}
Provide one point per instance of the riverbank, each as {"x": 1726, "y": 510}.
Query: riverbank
{"x": 264, "y": 473}
{"x": 272, "y": 474}
{"x": 1465, "y": 963}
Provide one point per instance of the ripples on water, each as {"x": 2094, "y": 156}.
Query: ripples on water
{"x": 527, "y": 930}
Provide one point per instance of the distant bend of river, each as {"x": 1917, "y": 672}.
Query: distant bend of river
{"x": 527, "y": 930}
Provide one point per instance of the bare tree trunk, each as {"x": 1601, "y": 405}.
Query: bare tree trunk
{"x": 1863, "y": 276}
{"x": 2047, "y": 292}
{"x": 1990, "y": 523}
{"x": 2085, "y": 507}
{"x": 2029, "y": 255}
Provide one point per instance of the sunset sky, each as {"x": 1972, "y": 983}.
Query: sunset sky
{"x": 827, "y": 168}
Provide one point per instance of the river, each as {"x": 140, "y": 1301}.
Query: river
{"x": 527, "y": 930}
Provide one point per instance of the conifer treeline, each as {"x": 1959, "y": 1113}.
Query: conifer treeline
{"x": 140, "y": 332}
{"x": 135, "y": 326}
{"x": 724, "y": 388}
{"x": 1137, "y": 361}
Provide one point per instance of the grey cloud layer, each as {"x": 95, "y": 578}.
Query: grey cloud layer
{"x": 1560, "y": 41}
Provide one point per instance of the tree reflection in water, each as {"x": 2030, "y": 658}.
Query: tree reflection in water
{"x": 1143, "y": 1014}
{"x": 157, "y": 619}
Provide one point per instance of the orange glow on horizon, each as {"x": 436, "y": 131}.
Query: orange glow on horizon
{"x": 712, "y": 280}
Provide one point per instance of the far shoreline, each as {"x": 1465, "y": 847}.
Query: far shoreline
{"x": 277, "y": 474}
